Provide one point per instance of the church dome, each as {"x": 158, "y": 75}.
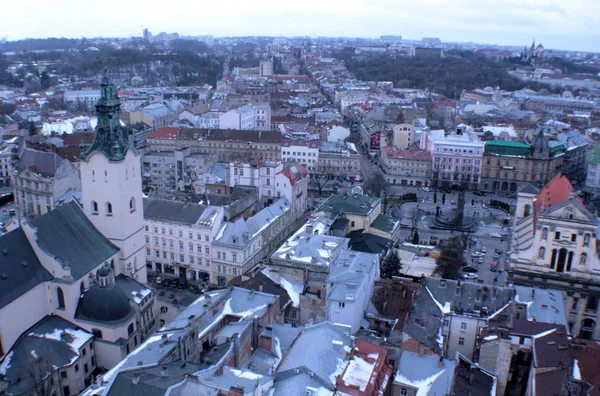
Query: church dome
{"x": 104, "y": 304}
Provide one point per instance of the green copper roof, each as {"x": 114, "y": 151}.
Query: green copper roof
{"x": 556, "y": 147}
{"x": 111, "y": 139}
{"x": 499, "y": 147}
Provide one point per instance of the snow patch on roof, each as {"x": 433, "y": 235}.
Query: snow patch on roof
{"x": 6, "y": 363}
{"x": 358, "y": 373}
{"x": 423, "y": 385}
{"x": 576, "y": 371}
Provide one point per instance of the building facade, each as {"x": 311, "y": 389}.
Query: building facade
{"x": 174, "y": 170}
{"x": 554, "y": 244}
{"x": 306, "y": 152}
{"x": 456, "y": 158}
{"x": 43, "y": 179}
{"x": 340, "y": 160}
{"x": 509, "y": 165}
{"x": 179, "y": 237}
{"x": 406, "y": 167}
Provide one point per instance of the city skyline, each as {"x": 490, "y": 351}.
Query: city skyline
{"x": 510, "y": 22}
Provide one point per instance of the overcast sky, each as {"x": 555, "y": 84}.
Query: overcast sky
{"x": 572, "y": 24}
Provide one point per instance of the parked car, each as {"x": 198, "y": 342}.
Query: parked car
{"x": 469, "y": 275}
{"x": 483, "y": 249}
{"x": 425, "y": 189}
{"x": 182, "y": 283}
{"x": 479, "y": 193}
{"x": 196, "y": 289}
{"x": 494, "y": 266}
{"x": 469, "y": 269}
{"x": 159, "y": 280}
{"x": 166, "y": 282}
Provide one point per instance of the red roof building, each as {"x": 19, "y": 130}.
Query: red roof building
{"x": 165, "y": 133}
{"x": 367, "y": 373}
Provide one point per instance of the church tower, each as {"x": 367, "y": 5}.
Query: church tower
{"x": 111, "y": 184}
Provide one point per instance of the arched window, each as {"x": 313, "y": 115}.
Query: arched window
{"x": 544, "y": 233}
{"x": 109, "y": 211}
{"x": 132, "y": 205}
{"x": 60, "y": 298}
{"x": 527, "y": 210}
{"x": 94, "y": 207}
{"x": 583, "y": 259}
{"x": 130, "y": 329}
{"x": 542, "y": 253}
{"x": 586, "y": 240}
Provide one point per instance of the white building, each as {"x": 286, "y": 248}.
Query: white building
{"x": 456, "y": 158}
{"x": 179, "y": 237}
{"x": 43, "y": 180}
{"x": 306, "y": 152}
{"x": 350, "y": 286}
{"x": 85, "y": 97}
{"x": 240, "y": 246}
{"x": 208, "y": 120}
{"x": 247, "y": 117}
{"x": 554, "y": 243}
{"x": 273, "y": 179}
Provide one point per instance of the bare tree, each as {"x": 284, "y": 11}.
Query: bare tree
{"x": 321, "y": 177}
{"x": 40, "y": 375}
{"x": 379, "y": 187}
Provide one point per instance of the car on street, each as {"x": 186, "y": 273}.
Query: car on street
{"x": 469, "y": 269}
{"x": 159, "y": 280}
{"x": 483, "y": 249}
{"x": 182, "y": 283}
{"x": 166, "y": 282}
{"x": 479, "y": 193}
{"x": 469, "y": 275}
{"x": 425, "y": 189}
{"x": 494, "y": 266}
{"x": 196, "y": 289}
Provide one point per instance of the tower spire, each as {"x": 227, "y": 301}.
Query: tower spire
{"x": 110, "y": 137}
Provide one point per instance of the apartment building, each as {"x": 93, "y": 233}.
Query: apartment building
{"x": 406, "y": 167}
{"x": 456, "y": 158}
{"x": 174, "y": 170}
{"x": 340, "y": 159}
{"x": 179, "y": 237}
{"x": 305, "y": 152}
{"x": 239, "y": 246}
{"x": 247, "y": 117}
{"x": 226, "y": 145}
{"x": 507, "y": 166}
{"x": 42, "y": 180}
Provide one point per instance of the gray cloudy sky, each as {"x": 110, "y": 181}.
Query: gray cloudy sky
{"x": 572, "y": 24}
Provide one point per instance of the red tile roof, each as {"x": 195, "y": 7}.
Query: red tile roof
{"x": 395, "y": 152}
{"x": 164, "y": 133}
{"x": 294, "y": 172}
{"x": 557, "y": 190}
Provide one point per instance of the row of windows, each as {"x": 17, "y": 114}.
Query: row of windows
{"x": 109, "y": 209}
{"x": 171, "y": 231}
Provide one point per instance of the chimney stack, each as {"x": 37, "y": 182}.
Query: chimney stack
{"x": 163, "y": 372}
{"x": 135, "y": 379}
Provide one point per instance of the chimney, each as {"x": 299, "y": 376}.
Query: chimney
{"x": 163, "y": 372}
{"x": 219, "y": 371}
{"x": 421, "y": 349}
{"x": 265, "y": 342}
{"x": 260, "y": 287}
{"x": 236, "y": 390}
{"x": 309, "y": 228}
{"x": 135, "y": 379}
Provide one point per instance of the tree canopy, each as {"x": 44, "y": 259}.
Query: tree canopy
{"x": 391, "y": 265}
{"x": 451, "y": 257}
